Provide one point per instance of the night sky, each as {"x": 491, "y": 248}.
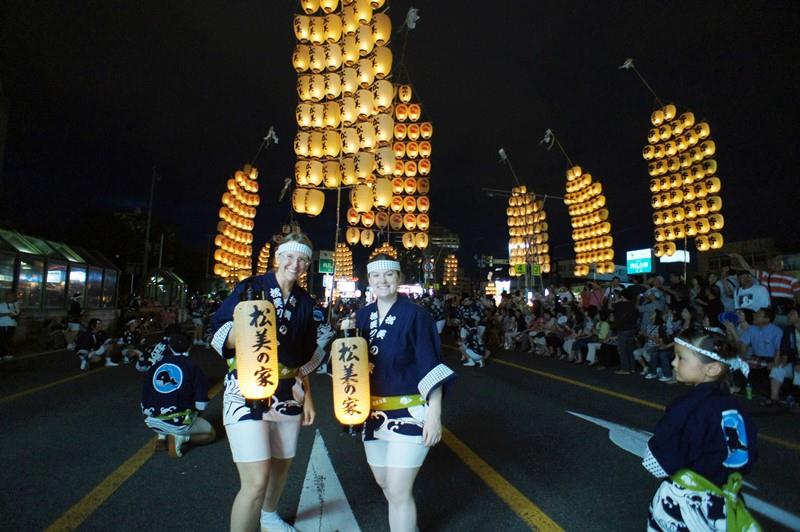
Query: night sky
{"x": 101, "y": 92}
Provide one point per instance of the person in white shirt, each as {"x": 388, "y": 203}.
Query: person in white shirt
{"x": 750, "y": 295}
{"x": 9, "y": 312}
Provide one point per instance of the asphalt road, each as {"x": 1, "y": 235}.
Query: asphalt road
{"x": 76, "y": 454}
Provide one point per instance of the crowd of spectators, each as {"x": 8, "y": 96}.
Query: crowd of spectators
{"x": 629, "y": 328}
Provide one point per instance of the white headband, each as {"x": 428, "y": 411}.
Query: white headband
{"x": 735, "y": 363}
{"x": 299, "y": 247}
{"x": 382, "y": 265}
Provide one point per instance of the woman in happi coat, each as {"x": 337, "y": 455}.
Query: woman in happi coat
{"x": 263, "y": 438}
{"x": 406, "y": 381}
{"x": 704, "y": 442}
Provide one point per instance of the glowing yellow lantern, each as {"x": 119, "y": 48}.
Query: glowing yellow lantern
{"x": 363, "y": 11}
{"x": 366, "y": 135}
{"x": 383, "y": 192}
{"x": 353, "y": 217}
{"x": 423, "y": 204}
{"x": 396, "y": 221}
{"x": 381, "y": 219}
{"x": 333, "y": 85}
{"x": 409, "y": 203}
{"x": 400, "y": 131}
{"x": 384, "y": 161}
{"x": 348, "y": 170}
{"x": 401, "y": 112}
{"x": 424, "y": 166}
{"x": 350, "y": 140}
{"x": 301, "y": 57}
{"x": 423, "y": 222}
{"x": 702, "y": 243}
{"x": 410, "y": 222}
{"x": 333, "y": 56}
{"x": 332, "y": 26}
{"x": 367, "y": 238}
{"x": 316, "y": 87}
{"x": 302, "y": 26}
{"x": 361, "y": 198}
{"x": 350, "y": 370}
{"x": 413, "y": 131}
{"x": 412, "y": 150}
{"x": 254, "y": 326}
{"x": 365, "y": 104}
{"x": 423, "y": 185}
{"x": 414, "y": 112}
{"x": 353, "y": 235}
{"x": 365, "y": 40}
{"x": 399, "y": 149}
{"x": 410, "y": 168}
{"x": 408, "y": 240}
{"x": 365, "y": 73}
{"x": 368, "y": 219}
{"x": 316, "y": 59}
{"x": 309, "y": 6}
{"x": 421, "y": 240}
{"x": 365, "y": 164}
{"x": 382, "y": 92}
{"x": 426, "y": 130}
{"x": 716, "y": 221}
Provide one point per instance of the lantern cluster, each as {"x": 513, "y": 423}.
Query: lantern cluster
{"x": 527, "y": 230}
{"x": 399, "y": 202}
{"x": 491, "y": 289}
{"x": 591, "y": 230}
{"x": 344, "y": 112}
{"x": 233, "y": 242}
{"x": 343, "y": 261}
{"x": 262, "y": 265}
{"x": 386, "y": 249}
{"x": 450, "y": 270}
{"x": 683, "y": 181}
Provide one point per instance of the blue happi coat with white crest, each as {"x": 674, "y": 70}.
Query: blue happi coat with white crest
{"x": 297, "y": 335}
{"x": 405, "y": 360}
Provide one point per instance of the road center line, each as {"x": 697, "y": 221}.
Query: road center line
{"x": 79, "y": 512}
{"x": 531, "y": 514}
{"x": 19, "y": 395}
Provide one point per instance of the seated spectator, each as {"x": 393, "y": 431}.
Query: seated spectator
{"x": 750, "y": 295}
{"x": 131, "y": 342}
{"x": 94, "y": 345}
{"x": 602, "y": 331}
{"x": 765, "y": 339}
{"x": 174, "y": 395}
{"x": 790, "y": 348}
{"x": 782, "y": 287}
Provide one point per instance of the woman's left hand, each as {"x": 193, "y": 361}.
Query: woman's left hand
{"x": 309, "y": 413}
{"x": 432, "y": 428}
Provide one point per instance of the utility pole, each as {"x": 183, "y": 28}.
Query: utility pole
{"x": 147, "y": 233}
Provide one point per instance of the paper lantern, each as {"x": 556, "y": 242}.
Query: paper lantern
{"x": 353, "y": 235}
{"x": 368, "y": 219}
{"x": 350, "y": 370}
{"x": 412, "y": 150}
{"x": 404, "y": 93}
{"x": 353, "y": 217}
{"x": 315, "y": 201}
{"x": 349, "y": 20}
{"x": 381, "y": 28}
{"x": 381, "y": 62}
{"x": 381, "y": 219}
{"x": 424, "y": 166}
{"x": 331, "y": 115}
{"x": 396, "y": 221}
{"x": 366, "y": 135}
{"x": 350, "y": 55}
{"x": 332, "y": 86}
{"x": 423, "y": 222}
{"x": 316, "y": 59}
{"x": 363, "y": 11}
{"x": 365, "y": 104}
{"x": 421, "y": 240}
{"x": 316, "y": 32}
{"x": 316, "y": 88}
{"x": 396, "y": 204}
{"x": 398, "y": 185}
{"x": 365, "y": 73}
{"x": 383, "y": 192}
{"x": 426, "y": 130}
{"x": 333, "y": 55}
{"x": 687, "y": 119}
{"x": 409, "y": 222}
{"x": 365, "y": 40}
{"x": 408, "y": 240}
{"x": 365, "y": 164}
{"x": 657, "y": 117}
{"x": 410, "y": 185}
{"x": 716, "y": 221}
{"x": 384, "y": 128}
{"x": 332, "y": 26}
{"x": 401, "y": 112}
{"x": 414, "y": 112}
{"x": 367, "y": 238}
{"x": 309, "y": 6}
{"x": 350, "y": 140}
{"x": 302, "y": 26}
{"x": 410, "y": 168}
{"x": 385, "y": 161}
{"x": 423, "y": 185}
{"x": 254, "y": 326}
{"x": 714, "y": 203}
{"x": 399, "y": 149}
{"x": 425, "y": 149}
{"x": 702, "y": 243}
{"x": 301, "y": 57}
{"x": 409, "y": 203}
{"x": 361, "y": 198}
{"x": 383, "y": 93}
{"x": 715, "y": 241}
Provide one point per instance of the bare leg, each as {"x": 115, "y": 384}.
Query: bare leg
{"x": 245, "y": 512}
{"x": 278, "y": 473}
{"x": 397, "y": 485}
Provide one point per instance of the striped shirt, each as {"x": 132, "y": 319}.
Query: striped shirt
{"x": 779, "y": 284}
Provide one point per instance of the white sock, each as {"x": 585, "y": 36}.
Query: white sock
{"x": 270, "y": 517}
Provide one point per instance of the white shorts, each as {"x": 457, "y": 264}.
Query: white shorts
{"x": 256, "y": 441}
{"x": 382, "y": 453}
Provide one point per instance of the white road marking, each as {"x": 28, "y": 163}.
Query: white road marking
{"x": 323, "y": 506}
{"x": 635, "y": 442}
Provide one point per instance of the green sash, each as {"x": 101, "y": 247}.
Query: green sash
{"x": 395, "y": 402}
{"x": 187, "y": 415}
{"x": 739, "y": 518}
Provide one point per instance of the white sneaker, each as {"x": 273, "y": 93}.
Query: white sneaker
{"x": 126, "y": 360}
{"x": 651, "y": 376}
{"x": 276, "y": 525}
{"x": 481, "y": 363}
{"x": 110, "y": 363}
{"x": 84, "y": 364}
{"x": 468, "y": 363}
{"x": 175, "y": 443}
{"x": 665, "y": 379}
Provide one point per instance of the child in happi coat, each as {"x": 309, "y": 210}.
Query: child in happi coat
{"x": 703, "y": 443}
